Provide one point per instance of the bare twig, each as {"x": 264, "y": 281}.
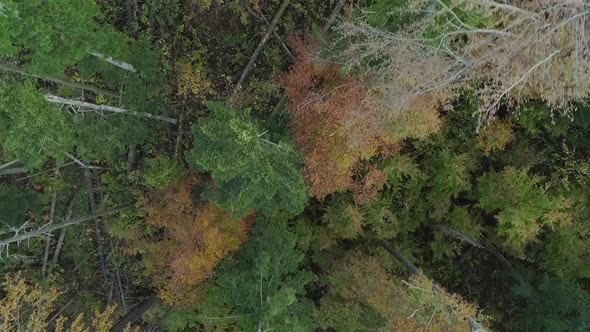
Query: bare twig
{"x": 46, "y": 171}
{"x": 81, "y": 163}
{"x": 491, "y": 108}
{"x": 60, "y": 311}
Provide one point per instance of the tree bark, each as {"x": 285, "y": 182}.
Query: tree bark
{"x": 131, "y": 156}
{"x": 258, "y": 49}
{"x": 55, "y": 79}
{"x": 101, "y": 108}
{"x": 48, "y": 236}
{"x": 475, "y": 327}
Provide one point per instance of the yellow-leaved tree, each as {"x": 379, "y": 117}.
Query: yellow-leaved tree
{"x": 27, "y": 306}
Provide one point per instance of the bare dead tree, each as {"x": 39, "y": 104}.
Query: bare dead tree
{"x": 115, "y": 62}
{"x": 10, "y": 163}
{"x": 523, "y": 50}
{"x": 49, "y": 235}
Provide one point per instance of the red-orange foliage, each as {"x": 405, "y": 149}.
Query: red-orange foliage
{"x": 332, "y": 121}
{"x": 192, "y": 238}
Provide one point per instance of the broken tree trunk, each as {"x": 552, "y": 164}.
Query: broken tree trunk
{"x": 134, "y": 315}
{"x": 8, "y": 164}
{"x": 48, "y": 236}
{"x": 11, "y": 171}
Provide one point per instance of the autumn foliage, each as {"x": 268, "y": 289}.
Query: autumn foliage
{"x": 187, "y": 241}
{"x": 331, "y": 120}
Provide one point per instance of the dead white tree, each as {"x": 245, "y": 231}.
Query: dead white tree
{"x": 520, "y": 50}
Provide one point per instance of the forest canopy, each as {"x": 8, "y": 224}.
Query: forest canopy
{"x": 288, "y": 165}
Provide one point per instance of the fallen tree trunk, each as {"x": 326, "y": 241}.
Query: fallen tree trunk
{"x": 47, "y": 228}
{"x": 55, "y": 79}
{"x": 102, "y": 108}
{"x": 258, "y": 49}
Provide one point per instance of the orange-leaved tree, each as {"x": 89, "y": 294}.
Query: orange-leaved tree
{"x": 341, "y": 122}
{"x": 185, "y": 240}
{"x": 332, "y": 121}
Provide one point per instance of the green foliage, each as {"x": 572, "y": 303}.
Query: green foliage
{"x": 161, "y": 172}
{"x": 179, "y": 319}
{"x": 460, "y": 225}
{"x": 16, "y": 204}
{"x": 390, "y": 14}
{"x": 550, "y": 304}
{"x": 495, "y": 136}
{"x": 55, "y": 34}
{"x": 360, "y": 295}
{"x": 381, "y": 219}
{"x": 567, "y": 252}
{"x": 263, "y": 287}
{"x": 31, "y": 129}
{"x": 523, "y": 206}
{"x": 343, "y": 219}
{"x": 250, "y": 171}
{"x": 449, "y": 177}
